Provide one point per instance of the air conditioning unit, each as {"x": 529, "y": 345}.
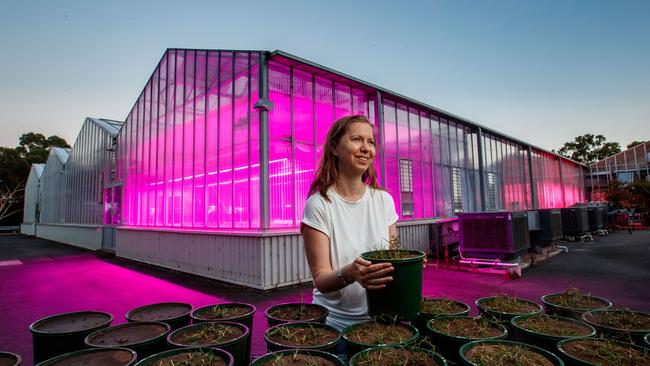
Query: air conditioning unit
{"x": 595, "y": 218}
{"x": 443, "y": 233}
{"x": 493, "y": 235}
{"x": 575, "y": 221}
{"x": 550, "y": 227}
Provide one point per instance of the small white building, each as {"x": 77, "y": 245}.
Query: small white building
{"x": 32, "y": 199}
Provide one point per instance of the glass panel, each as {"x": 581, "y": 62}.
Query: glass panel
{"x": 241, "y": 188}
{"x": 303, "y": 119}
{"x": 200, "y": 136}
{"x": 225, "y": 176}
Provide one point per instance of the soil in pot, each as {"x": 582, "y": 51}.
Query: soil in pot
{"x": 302, "y": 335}
{"x": 572, "y": 303}
{"x": 298, "y": 311}
{"x": 546, "y": 330}
{"x": 372, "y": 333}
{"x": 604, "y": 352}
{"x": 503, "y": 307}
{"x": 402, "y": 296}
{"x": 506, "y": 353}
{"x": 9, "y": 359}
{"x": 402, "y": 356}
{"x": 298, "y": 358}
{"x": 226, "y": 312}
{"x": 145, "y": 338}
{"x": 176, "y": 314}
{"x": 450, "y": 333}
{"x": 101, "y": 356}
{"x": 63, "y": 333}
{"x": 189, "y": 357}
{"x": 229, "y": 336}
{"x": 622, "y": 324}
{"x": 435, "y": 307}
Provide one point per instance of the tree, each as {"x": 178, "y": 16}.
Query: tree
{"x": 11, "y": 199}
{"x": 34, "y": 147}
{"x": 588, "y": 149}
{"x": 634, "y": 143}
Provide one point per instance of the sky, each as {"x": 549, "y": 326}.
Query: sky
{"x": 542, "y": 71}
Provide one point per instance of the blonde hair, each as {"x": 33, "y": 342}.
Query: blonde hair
{"x": 328, "y": 173}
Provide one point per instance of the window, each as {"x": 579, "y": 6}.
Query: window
{"x": 457, "y": 189}
{"x": 491, "y": 192}
{"x": 406, "y": 186}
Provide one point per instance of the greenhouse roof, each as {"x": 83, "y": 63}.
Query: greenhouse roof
{"x": 62, "y": 153}
{"x": 110, "y": 126}
{"x": 38, "y": 168}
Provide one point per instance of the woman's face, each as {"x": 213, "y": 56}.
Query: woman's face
{"x": 356, "y": 149}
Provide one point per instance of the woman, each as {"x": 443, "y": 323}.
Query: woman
{"x": 347, "y": 213}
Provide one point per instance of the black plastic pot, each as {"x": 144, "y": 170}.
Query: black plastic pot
{"x": 269, "y": 357}
{"x": 179, "y": 317}
{"x": 448, "y": 345}
{"x": 548, "y": 355}
{"x": 361, "y": 355}
{"x": 10, "y": 359}
{"x": 202, "y": 315}
{"x": 547, "y": 341}
{"x": 574, "y": 360}
{"x": 646, "y": 340}
{"x": 576, "y": 313}
{"x": 272, "y": 346}
{"x": 117, "y": 356}
{"x": 63, "y": 333}
{"x": 273, "y": 320}
{"x": 154, "y": 359}
{"x": 236, "y": 347}
{"x": 153, "y": 340}
{"x": 402, "y": 296}
{"x": 353, "y": 347}
{"x": 424, "y": 317}
{"x": 504, "y": 317}
{"x": 634, "y": 336}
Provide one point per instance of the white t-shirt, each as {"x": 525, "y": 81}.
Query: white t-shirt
{"x": 353, "y": 227}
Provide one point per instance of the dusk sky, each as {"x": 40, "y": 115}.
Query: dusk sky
{"x": 541, "y": 71}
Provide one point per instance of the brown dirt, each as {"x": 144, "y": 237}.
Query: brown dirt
{"x": 379, "y": 333}
{"x": 621, "y": 319}
{"x": 191, "y": 358}
{"x": 511, "y": 305}
{"x": 441, "y": 306}
{"x": 224, "y": 312}
{"x": 472, "y": 328}
{"x": 505, "y": 355}
{"x": 392, "y": 254}
{"x": 302, "y": 336}
{"x": 553, "y": 326}
{"x": 298, "y": 360}
{"x": 158, "y": 312}
{"x": 68, "y": 323}
{"x": 607, "y": 353}
{"x": 210, "y": 334}
{"x": 574, "y": 300}
{"x": 298, "y": 312}
{"x": 106, "y": 357}
{"x": 128, "y": 334}
{"x": 396, "y": 356}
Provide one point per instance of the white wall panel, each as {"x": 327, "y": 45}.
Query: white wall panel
{"x": 84, "y": 236}
{"x": 32, "y": 194}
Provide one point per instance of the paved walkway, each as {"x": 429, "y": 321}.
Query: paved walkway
{"x": 40, "y": 278}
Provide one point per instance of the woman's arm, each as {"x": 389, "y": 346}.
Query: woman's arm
{"x": 317, "y": 249}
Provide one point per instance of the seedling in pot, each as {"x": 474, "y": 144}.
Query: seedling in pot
{"x": 604, "y": 352}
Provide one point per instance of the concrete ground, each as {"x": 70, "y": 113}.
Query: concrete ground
{"x": 39, "y": 278}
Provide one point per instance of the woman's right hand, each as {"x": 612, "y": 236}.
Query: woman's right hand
{"x": 370, "y": 276}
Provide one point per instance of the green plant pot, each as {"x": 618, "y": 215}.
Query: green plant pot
{"x": 204, "y": 314}
{"x": 272, "y": 345}
{"x": 547, "y": 341}
{"x": 117, "y": 356}
{"x": 359, "y": 357}
{"x": 63, "y": 333}
{"x": 273, "y": 320}
{"x": 633, "y": 336}
{"x": 237, "y": 347}
{"x": 353, "y": 347}
{"x": 402, "y": 296}
{"x": 176, "y": 314}
{"x": 10, "y": 359}
{"x": 424, "y": 317}
{"x": 574, "y": 360}
{"x": 145, "y": 338}
{"x": 269, "y": 357}
{"x": 546, "y": 354}
{"x": 576, "y": 313}
{"x": 502, "y": 316}
{"x": 154, "y": 359}
{"x": 448, "y": 345}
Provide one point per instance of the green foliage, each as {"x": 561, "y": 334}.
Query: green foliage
{"x": 588, "y": 149}
{"x": 634, "y": 143}
{"x": 34, "y": 147}
{"x": 635, "y": 195}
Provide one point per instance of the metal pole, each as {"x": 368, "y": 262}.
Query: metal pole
{"x": 264, "y": 141}
{"x": 481, "y": 173}
{"x": 559, "y": 164}
{"x": 379, "y": 115}
{"x": 533, "y": 193}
